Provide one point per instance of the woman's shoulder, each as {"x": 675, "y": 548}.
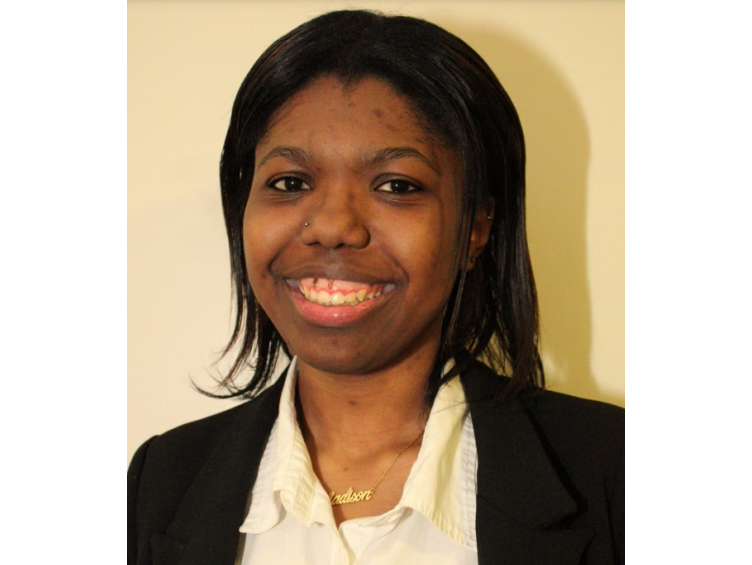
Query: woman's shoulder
{"x": 580, "y": 431}
{"x": 200, "y": 436}
{"x": 189, "y": 440}
{"x": 482, "y": 383}
{"x": 580, "y": 414}
{"x": 165, "y": 467}
{"x": 576, "y": 431}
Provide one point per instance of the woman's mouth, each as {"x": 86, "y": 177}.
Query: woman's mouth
{"x": 333, "y": 292}
{"x": 335, "y": 302}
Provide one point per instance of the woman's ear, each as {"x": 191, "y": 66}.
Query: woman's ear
{"x": 480, "y": 233}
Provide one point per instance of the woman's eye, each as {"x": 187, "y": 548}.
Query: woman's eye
{"x": 398, "y": 186}
{"x": 289, "y": 184}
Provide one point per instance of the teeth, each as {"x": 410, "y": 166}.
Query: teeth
{"x": 325, "y": 293}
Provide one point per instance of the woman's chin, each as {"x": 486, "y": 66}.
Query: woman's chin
{"x": 350, "y": 363}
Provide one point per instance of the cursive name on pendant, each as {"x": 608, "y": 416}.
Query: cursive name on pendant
{"x": 350, "y": 496}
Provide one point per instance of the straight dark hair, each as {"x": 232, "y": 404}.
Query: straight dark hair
{"x": 493, "y": 309}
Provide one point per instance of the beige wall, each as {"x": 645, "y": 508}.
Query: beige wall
{"x": 561, "y": 62}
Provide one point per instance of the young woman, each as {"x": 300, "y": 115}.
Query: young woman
{"x": 373, "y": 188}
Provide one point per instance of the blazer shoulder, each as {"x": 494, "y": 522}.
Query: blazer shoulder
{"x": 164, "y": 468}
{"x": 575, "y": 432}
{"x": 577, "y": 415}
{"x": 584, "y": 436}
{"x": 191, "y": 443}
{"x": 551, "y": 400}
{"x": 570, "y": 413}
{"x": 203, "y": 430}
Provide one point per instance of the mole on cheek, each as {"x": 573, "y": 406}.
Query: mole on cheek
{"x": 377, "y": 113}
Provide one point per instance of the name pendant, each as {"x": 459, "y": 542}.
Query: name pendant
{"x": 350, "y": 496}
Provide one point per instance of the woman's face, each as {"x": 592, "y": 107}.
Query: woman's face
{"x": 350, "y": 227}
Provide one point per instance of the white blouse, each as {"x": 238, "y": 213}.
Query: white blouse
{"x": 290, "y": 517}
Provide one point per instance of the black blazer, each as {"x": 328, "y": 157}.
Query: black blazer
{"x": 550, "y": 480}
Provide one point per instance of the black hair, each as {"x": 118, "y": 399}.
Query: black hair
{"x": 493, "y": 309}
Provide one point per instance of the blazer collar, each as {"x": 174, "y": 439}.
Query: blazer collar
{"x": 521, "y": 500}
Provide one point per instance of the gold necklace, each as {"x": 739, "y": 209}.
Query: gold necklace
{"x": 351, "y": 496}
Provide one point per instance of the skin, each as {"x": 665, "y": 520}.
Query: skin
{"x": 375, "y": 216}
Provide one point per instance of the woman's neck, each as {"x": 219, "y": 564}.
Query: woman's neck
{"x": 364, "y": 413}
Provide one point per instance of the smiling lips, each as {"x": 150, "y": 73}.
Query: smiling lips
{"x": 333, "y": 292}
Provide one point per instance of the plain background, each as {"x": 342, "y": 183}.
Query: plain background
{"x": 563, "y": 66}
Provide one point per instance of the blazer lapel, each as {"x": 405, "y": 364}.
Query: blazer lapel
{"x": 520, "y": 500}
{"x": 205, "y": 528}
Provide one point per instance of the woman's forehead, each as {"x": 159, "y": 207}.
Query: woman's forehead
{"x": 368, "y": 111}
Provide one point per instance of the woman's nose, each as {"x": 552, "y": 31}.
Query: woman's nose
{"x": 336, "y": 219}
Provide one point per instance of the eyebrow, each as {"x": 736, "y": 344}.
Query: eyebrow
{"x": 295, "y": 154}
{"x": 302, "y": 157}
{"x": 391, "y": 153}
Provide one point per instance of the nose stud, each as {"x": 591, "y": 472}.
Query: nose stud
{"x": 306, "y": 224}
